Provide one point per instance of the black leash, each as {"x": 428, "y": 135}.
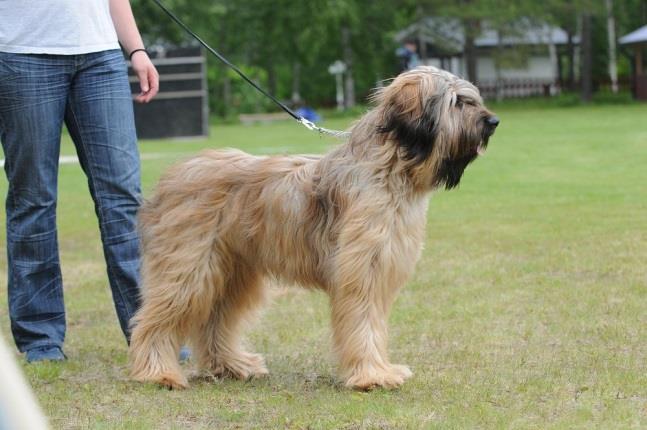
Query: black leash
{"x": 308, "y": 124}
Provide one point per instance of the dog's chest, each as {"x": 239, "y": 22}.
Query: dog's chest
{"x": 407, "y": 227}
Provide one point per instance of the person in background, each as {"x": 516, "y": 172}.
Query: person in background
{"x": 61, "y": 62}
{"x": 408, "y": 55}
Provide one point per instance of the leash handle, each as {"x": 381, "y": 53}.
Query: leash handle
{"x": 308, "y": 124}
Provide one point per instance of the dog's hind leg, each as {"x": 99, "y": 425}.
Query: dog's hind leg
{"x": 219, "y": 347}
{"x": 174, "y": 304}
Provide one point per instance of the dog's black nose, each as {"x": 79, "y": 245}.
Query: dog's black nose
{"x": 492, "y": 121}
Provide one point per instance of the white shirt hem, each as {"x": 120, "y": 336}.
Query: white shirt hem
{"x": 59, "y": 50}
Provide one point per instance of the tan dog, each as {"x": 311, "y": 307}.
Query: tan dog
{"x": 350, "y": 223}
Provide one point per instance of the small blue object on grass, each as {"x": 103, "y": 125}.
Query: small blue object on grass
{"x": 45, "y": 353}
{"x": 54, "y": 353}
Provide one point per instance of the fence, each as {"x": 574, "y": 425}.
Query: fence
{"x": 517, "y": 88}
{"x": 624, "y": 84}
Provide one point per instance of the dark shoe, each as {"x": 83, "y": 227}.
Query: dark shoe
{"x": 45, "y": 353}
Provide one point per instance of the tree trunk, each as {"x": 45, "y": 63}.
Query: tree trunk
{"x": 296, "y": 83}
{"x": 586, "y": 66}
{"x": 570, "y": 80}
{"x": 471, "y": 30}
{"x": 349, "y": 82}
{"x": 554, "y": 61}
{"x": 420, "y": 16}
{"x": 226, "y": 94}
{"x": 497, "y": 66}
{"x": 560, "y": 71}
{"x": 611, "y": 38}
{"x": 639, "y": 70}
{"x": 271, "y": 79}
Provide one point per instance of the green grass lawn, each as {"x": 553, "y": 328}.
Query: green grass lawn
{"x": 528, "y": 308}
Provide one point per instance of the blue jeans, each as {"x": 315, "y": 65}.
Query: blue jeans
{"x": 91, "y": 94}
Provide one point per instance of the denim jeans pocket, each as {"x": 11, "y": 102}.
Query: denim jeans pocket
{"x": 6, "y": 68}
{"x": 113, "y": 60}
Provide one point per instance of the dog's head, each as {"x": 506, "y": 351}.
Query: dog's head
{"x": 437, "y": 120}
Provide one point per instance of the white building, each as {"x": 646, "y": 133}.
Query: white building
{"x": 524, "y": 61}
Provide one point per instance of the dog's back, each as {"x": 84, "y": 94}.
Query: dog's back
{"x": 236, "y": 203}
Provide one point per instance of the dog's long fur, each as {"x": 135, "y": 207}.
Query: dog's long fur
{"x": 350, "y": 223}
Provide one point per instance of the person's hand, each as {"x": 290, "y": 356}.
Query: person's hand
{"x": 147, "y": 75}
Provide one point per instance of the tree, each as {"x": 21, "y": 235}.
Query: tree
{"x": 611, "y": 38}
{"x": 287, "y": 46}
{"x": 586, "y": 62}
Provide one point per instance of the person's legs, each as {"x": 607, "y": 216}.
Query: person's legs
{"x": 33, "y": 93}
{"x": 100, "y": 119}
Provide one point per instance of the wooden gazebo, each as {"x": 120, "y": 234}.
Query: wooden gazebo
{"x": 637, "y": 41}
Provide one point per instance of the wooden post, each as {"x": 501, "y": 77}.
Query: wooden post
{"x": 639, "y": 59}
{"x": 611, "y": 40}
{"x": 640, "y": 79}
{"x": 349, "y": 82}
{"x": 586, "y": 65}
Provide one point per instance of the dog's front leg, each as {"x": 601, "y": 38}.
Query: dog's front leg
{"x": 361, "y": 300}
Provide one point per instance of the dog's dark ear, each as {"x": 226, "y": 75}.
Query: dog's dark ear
{"x": 414, "y": 131}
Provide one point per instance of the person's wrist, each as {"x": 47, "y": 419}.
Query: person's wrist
{"x": 135, "y": 51}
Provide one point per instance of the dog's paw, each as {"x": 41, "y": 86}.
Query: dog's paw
{"x": 172, "y": 381}
{"x": 391, "y": 377}
{"x": 402, "y": 370}
{"x": 242, "y": 366}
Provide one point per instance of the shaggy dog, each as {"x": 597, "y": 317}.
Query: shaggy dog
{"x": 350, "y": 223}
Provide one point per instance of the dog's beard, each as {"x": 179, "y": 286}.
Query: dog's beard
{"x": 486, "y": 133}
{"x": 451, "y": 170}
{"x": 482, "y": 146}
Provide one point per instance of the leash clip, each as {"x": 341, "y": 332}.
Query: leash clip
{"x": 324, "y": 131}
{"x": 308, "y": 124}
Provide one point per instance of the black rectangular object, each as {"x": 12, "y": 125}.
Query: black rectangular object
{"x": 180, "y": 109}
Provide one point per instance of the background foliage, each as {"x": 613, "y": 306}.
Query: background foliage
{"x": 287, "y": 45}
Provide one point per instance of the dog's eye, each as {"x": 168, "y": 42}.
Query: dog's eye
{"x": 461, "y": 103}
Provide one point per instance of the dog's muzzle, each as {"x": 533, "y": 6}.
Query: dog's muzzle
{"x": 491, "y": 124}
{"x": 492, "y": 121}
